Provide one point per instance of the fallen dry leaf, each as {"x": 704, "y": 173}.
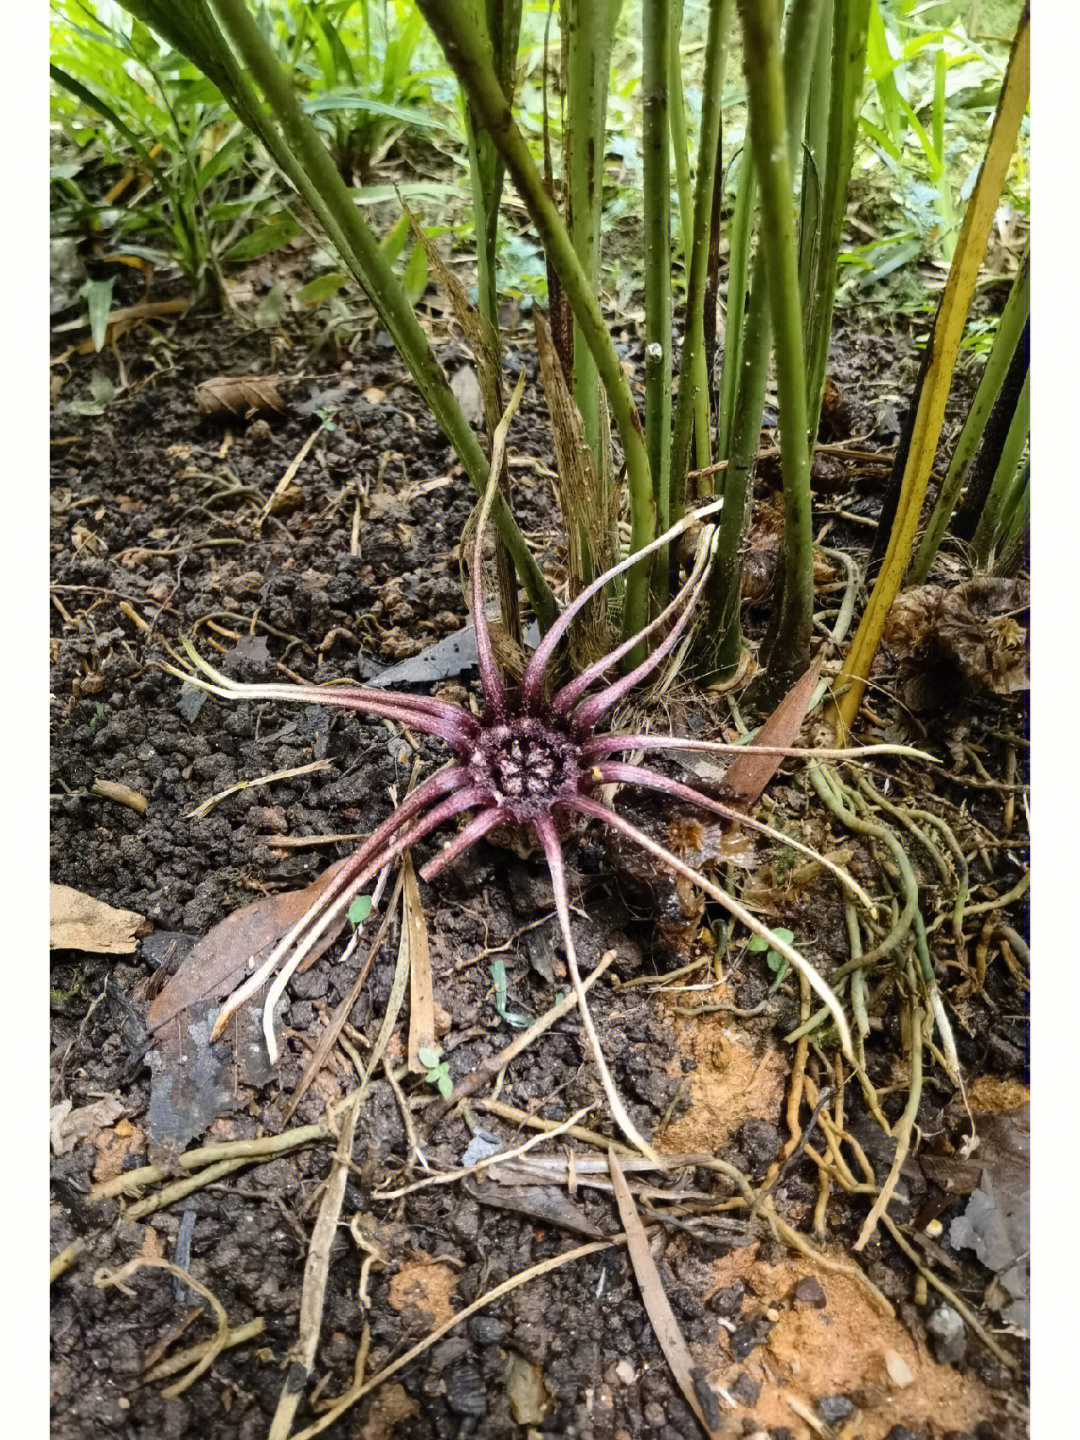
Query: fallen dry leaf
{"x": 466, "y": 388}
{"x": 121, "y": 794}
{"x": 996, "y": 1223}
{"x": 219, "y": 961}
{"x": 245, "y": 395}
{"x": 689, "y": 1377}
{"x": 194, "y": 1080}
{"x": 68, "y": 1127}
{"x": 414, "y": 936}
{"x": 970, "y": 639}
{"x": 525, "y": 1389}
{"x": 79, "y": 922}
{"x": 747, "y": 775}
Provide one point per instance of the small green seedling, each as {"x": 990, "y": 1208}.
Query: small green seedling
{"x": 512, "y": 1017}
{"x": 438, "y": 1072}
{"x": 359, "y": 910}
{"x": 776, "y": 962}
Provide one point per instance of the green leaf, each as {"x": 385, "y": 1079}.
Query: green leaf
{"x": 279, "y": 231}
{"x": 376, "y": 194}
{"x": 445, "y": 1084}
{"x": 428, "y": 1057}
{"x": 227, "y": 155}
{"x": 415, "y": 276}
{"x": 756, "y": 945}
{"x": 785, "y": 935}
{"x": 322, "y": 287}
{"x": 342, "y": 65}
{"x": 101, "y": 388}
{"x": 226, "y": 210}
{"x": 98, "y": 304}
{"x": 347, "y": 98}
{"x": 271, "y": 308}
{"x": 393, "y": 242}
{"x": 359, "y": 911}
{"x": 79, "y": 90}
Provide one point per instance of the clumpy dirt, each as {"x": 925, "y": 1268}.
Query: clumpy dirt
{"x": 339, "y": 561}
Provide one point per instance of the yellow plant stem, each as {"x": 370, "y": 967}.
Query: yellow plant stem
{"x": 944, "y": 344}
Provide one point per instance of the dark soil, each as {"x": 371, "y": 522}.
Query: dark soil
{"x": 156, "y": 533}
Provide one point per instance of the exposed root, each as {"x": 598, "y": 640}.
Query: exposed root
{"x": 105, "y": 1278}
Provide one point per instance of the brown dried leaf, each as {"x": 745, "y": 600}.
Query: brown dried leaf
{"x": 414, "y": 935}
{"x": 996, "y": 1223}
{"x": 975, "y": 633}
{"x": 245, "y": 395}
{"x": 68, "y": 1127}
{"x": 689, "y": 1377}
{"x": 79, "y": 922}
{"x": 525, "y": 1389}
{"x": 465, "y": 386}
{"x": 748, "y": 774}
{"x": 121, "y": 794}
{"x": 479, "y": 333}
{"x": 835, "y": 411}
{"x": 219, "y": 961}
{"x": 193, "y": 1079}
{"x": 579, "y": 496}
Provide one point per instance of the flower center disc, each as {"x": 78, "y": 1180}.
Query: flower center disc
{"x": 527, "y": 765}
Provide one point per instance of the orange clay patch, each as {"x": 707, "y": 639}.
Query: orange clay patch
{"x": 114, "y": 1146}
{"x": 389, "y": 1405}
{"x": 848, "y": 1348}
{"x": 729, "y": 1085}
{"x": 990, "y": 1095}
{"x": 424, "y": 1285}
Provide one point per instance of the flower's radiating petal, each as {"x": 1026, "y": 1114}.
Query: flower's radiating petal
{"x": 549, "y": 839}
{"x": 583, "y": 805}
{"x": 621, "y": 774}
{"x": 532, "y": 683}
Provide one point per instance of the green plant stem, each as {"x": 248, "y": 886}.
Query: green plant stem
{"x": 1010, "y": 327}
{"x": 307, "y": 163}
{"x": 503, "y": 21}
{"x": 677, "y": 122}
{"x": 692, "y": 404}
{"x": 815, "y": 148}
{"x": 781, "y": 88}
{"x": 772, "y": 142}
{"x": 471, "y": 62}
{"x": 1008, "y": 481}
{"x": 588, "y": 31}
{"x": 849, "y": 30}
{"x": 995, "y": 439}
{"x": 657, "y": 207}
{"x": 738, "y": 280}
{"x": 1017, "y": 510}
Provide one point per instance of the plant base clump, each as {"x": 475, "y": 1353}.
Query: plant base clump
{"x": 531, "y": 764}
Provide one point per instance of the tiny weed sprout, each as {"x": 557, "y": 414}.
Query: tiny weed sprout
{"x": 513, "y": 1018}
{"x": 776, "y": 962}
{"x": 438, "y": 1072}
{"x": 532, "y": 765}
{"x": 359, "y": 910}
